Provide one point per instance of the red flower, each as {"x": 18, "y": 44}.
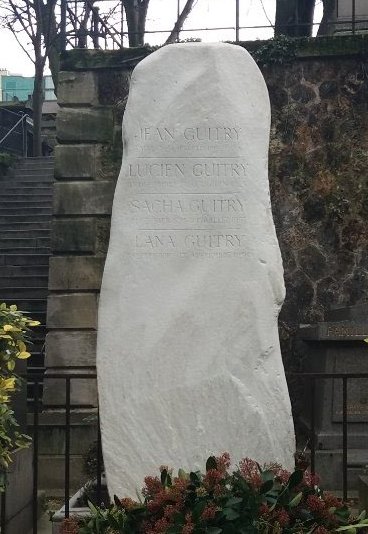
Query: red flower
{"x": 212, "y": 478}
{"x": 250, "y": 471}
{"x": 152, "y": 486}
{"x": 320, "y": 530}
{"x": 282, "y": 518}
{"x": 315, "y": 504}
{"x": 209, "y": 512}
{"x": 223, "y": 462}
{"x": 188, "y": 528}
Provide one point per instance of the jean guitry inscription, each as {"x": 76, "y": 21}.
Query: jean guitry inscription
{"x": 195, "y": 133}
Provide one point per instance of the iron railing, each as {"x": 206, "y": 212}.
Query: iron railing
{"x": 310, "y": 379}
{"x": 14, "y": 129}
{"x": 86, "y": 24}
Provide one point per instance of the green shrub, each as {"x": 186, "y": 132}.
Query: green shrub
{"x": 14, "y": 334}
{"x": 252, "y": 499}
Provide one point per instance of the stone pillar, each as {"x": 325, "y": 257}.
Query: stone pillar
{"x": 85, "y": 174}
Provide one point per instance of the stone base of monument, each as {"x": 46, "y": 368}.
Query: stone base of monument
{"x": 337, "y": 346}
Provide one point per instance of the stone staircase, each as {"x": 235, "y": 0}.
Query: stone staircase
{"x": 25, "y": 228}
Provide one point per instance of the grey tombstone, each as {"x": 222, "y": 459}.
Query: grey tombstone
{"x": 337, "y": 346}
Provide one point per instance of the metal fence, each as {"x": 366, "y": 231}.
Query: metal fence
{"x": 311, "y": 380}
{"x": 102, "y": 23}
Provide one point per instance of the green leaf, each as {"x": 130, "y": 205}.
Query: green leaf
{"x": 230, "y": 514}
{"x": 182, "y": 474}
{"x": 233, "y": 501}
{"x": 266, "y": 487}
{"x": 213, "y": 530}
{"x": 295, "y": 478}
{"x": 194, "y": 477}
{"x": 294, "y": 502}
{"x": 211, "y": 463}
{"x": 362, "y": 516}
{"x": 163, "y": 477}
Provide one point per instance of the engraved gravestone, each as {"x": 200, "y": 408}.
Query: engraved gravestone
{"x": 188, "y": 352}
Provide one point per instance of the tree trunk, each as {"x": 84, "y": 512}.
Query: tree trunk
{"x": 179, "y": 23}
{"x": 294, "y": 18}
{"x": 51, "y": 38}
{"x": 37, "y": 101}
{"x": 136, "y": 14}
{"x": 326, "y": 28}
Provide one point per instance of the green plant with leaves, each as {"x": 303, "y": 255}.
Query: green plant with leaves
{"x": 280, "y": 49}
{"x": 252, "y": 499}
{"x": 6, "y": 161}
{"x": 15, "y": 328}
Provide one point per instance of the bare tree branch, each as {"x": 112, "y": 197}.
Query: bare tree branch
{"x": 179, "y": 23}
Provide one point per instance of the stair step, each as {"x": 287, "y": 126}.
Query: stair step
{"x": 25, "y": 250}
{"x": 27, "y": 184}
{"x": 32, "y": 233}
{"x": 26, "y": 210}
{"x": 25, "y": 218}
{"x": 25, "y": 225}
{"x": 24, "y": 281}
{"x": 26, "y": 259}
{"x": 6, "y": 242}
{"x": 24, "y": 270}
{"x": 34, "y": 203}
{"x": 24, "y": 292}
{"x": 32, "y": 195}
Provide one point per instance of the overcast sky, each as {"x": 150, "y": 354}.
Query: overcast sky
{"x": 162, "y": 16}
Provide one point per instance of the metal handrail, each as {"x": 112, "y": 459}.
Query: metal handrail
{"x": 15, "y": 125}
{"x": 23, "y": 120}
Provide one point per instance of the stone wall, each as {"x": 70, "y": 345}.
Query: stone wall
{"x": 318, "y": 175}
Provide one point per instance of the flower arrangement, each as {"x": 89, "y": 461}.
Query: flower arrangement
{"x": 14, "y": 334}
{"x": 252, "y": 499}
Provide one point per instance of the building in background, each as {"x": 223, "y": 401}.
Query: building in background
{"x": 17, "y": 88}
{"x": 15, "y": 100}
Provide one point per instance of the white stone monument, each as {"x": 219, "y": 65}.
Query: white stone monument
{"x": 188, "y": 353}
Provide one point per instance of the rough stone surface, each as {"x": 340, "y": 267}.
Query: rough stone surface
{"x": 84, "y": 125}
{"x": 73, "y": 235}
{"x": 193, "y": 282}
{"x": 83, "y": 198}
{"x": 70, "y": 349}
{"x": 77, "y": 88}
{"x": 75, "y": 272}
{"x": 77, "y": 310}
{"x": 80, "y": 161}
